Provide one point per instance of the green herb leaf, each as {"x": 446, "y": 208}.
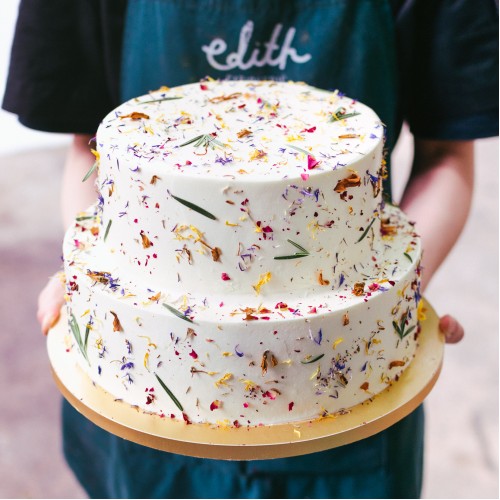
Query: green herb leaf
{"x": 294, "y": 256}
{"x": 194, "y": 207}
{"x": 312, "y": 360}
{"x": 297, "y": 255}
{"x": 76, "y": 333}
{"x": 107, "y": 229}
{"x": 296, "y": 245}
{"x": 194, "y": 139}
{"x": 177, "y": 313}
{"x": 89, "y": 173}
{"x": 366, "y": 230}
{"x": 203, "y": 140}
{"x": 407, "y": 332}
{"x": 396, "y": 327}
{"x": 169, "y": 392}
{"x": 75, "y": 329}
{"x": 408, "y": 257}
{"x": 87, "y": 332}
{"x": 84, "y": 217}
{"x": 160, "y": 100}
{"x": 298, "y": 149}
{"x": 340, "y": 114}
{"x": 401, "y": 328}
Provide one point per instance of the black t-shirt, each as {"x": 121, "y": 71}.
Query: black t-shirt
{"x": 66, "y": 64}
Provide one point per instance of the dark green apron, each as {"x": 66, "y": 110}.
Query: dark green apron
{"x": 333, "y": 44}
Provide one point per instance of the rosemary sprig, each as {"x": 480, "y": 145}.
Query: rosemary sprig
{"x": 169, "y": 392}
{"x": 299, "y": 247}
{"x": 160, "y": 100}
{"x": 89, "y": 173}
{"x": 340, "y": 114}
{"x": 289, "y": 257}
{"x": 78, "y": 337}
{"x": 177, "y": 313}
{"x": 194, "y": 139}
{"x": 203, "y": 140}
{"x": 107, "y": 229}
{"x": 401, "y": 328}
{"x": 194, "y": 207}
{"x": 312, "y": 360}
{"x": 297, "y": 255}
{"x": 366, "y": 230}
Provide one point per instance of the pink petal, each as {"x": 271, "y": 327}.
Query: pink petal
{"x": 311, "y": 162}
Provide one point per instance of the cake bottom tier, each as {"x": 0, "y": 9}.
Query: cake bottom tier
{"x": 302, "y": 359}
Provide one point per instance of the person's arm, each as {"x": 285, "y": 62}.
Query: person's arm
{"x": 438, "y": 198}
{"x": 76, "y": 196}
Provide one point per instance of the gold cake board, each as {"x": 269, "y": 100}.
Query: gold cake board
{"x": 250, "y": 443}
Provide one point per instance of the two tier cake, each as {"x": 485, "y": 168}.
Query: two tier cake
{"x": 240, "y": 266}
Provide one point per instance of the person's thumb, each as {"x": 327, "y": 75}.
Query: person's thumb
{"x": 453, "y": 331}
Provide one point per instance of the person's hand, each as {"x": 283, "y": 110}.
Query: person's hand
{"x": 50, "y": 301}
{"x": 453, "y": 331}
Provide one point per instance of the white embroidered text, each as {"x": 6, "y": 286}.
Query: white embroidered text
{"x": 273, "y": 55}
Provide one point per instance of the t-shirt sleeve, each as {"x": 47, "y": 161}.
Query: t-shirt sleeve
{"x": 448, "y": 54}
{"x": 65, "y": 60}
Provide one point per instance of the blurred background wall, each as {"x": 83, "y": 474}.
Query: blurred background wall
{"x": 462, "y": 411}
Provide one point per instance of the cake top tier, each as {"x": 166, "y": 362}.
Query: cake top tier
{"x": 243, "y": 129}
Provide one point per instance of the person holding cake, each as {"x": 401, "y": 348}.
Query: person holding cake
{"x": 439, "y": 76}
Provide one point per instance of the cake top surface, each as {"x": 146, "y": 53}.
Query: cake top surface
{"x": 242, "y": 129}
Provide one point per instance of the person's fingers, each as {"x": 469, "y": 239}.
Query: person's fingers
{"x": 453, "y": 331}
{"x": 50, "y": 301}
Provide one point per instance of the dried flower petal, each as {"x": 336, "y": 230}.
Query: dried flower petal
{"x": 264, "y": 278}
{"x": 117, "y": 327}
{"x": 337, "y": 342}
{"x": 216, "y": 253}
{"x": 243, "y": 133}
{"x": 223, "y": 380}
{"x": 321, "y": 280}
{"x": 263, "y": 363}
{"x": 146, "y": 242}
{"x": 223, "y": 98}
{"x": 396, "y": 363}
{"x": 353, "y": 180}
{"x": 215, "y": 405}
{"x": 388, "y": 229}
{"x": 135, "y": 115}
{"x": 312, "y": 162}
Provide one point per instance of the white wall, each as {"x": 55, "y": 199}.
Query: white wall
{"x": 14, "y": 137}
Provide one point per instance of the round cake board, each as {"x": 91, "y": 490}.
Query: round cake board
{"x": 249, "y": 443}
